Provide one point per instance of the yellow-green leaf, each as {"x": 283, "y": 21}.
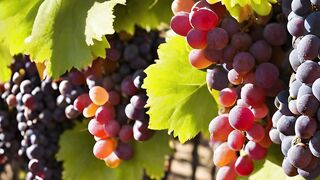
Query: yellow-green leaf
{"x": 179, "y": 99}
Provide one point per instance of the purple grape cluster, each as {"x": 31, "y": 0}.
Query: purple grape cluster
{"x": 296, "y": 123}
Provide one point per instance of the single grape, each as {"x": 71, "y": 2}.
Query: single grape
{"x": 241, "y": 118}
{"x": 299, "y": 155}
{"x": 244, "y": 165}
{"x": 197, "y": 39}
{"x": 236, "y": 140}
{"x": 223, "y": 155}
{"x": 204, "y": 19}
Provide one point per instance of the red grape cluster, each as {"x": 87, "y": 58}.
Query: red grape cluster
{"x": 241, "y": 63}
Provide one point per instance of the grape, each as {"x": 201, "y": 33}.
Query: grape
{"x": 314, "y": 144}
{"x": 244, "y": 165}
{"x": 260, "y": 112}
{"x": 228, "y": 54}
{"x": 124, "y": 151}
{"x": 294, "y": 60}
{"x": 311, "y": 23}
{"x": 126, "y": 133}
{"x": 82, "y": 102}
{"x": 197, "y": 39}
{"x": 223, "y": 155}
{"x": 304, "y": 90}
{"x": 299, "y": 155}
{"x": 255, "y": 133}
{"x": 294, "y": 88}
{"x": 241, "y": 41}
{"x": 293, "y": 107}
{"x": 112, "y": 128}
{"x": 96, "y": 128}
{"x": 114, "y": 98}
{"x": 226, "y": 172}
{"x": 134, "y": 113}
{"x": 296, "y": 26}
{"x": 305, "y": 127}
{"x": 128, "y": 87}
{"x": 230, "y": 25}
{"x": 103, "y": 148}
{"x": 307, "y": 105}
{"x": 286, "y": 125}
{"x": 316, "y": 89}
{"x": 65, "y": 87}
{"x": 90, "y": 111}
{"x": 141, "y": 131}
{"x": 308, "y": 72}
{"x": 275, "y": 34}
{"x": 217, "y": 78}
{"x": 112, "y": 161}
{"x": 288, "y": 168}
{"x": 104, "y": 114}
{"x": 204, "y": 19}
{"x": 309, "y": 174}
{"x": 198, "y": 59}
{"x": 234, "y": 77}
{"x": 261, "y": 51}
{"x": 215, "y": 56}
{"x": 243, "y": 62}
{"x": 178, "y": 6}
{"x": 217, "y": 38}
{"x": 255, "y": 151}
{"x": 241, "y": 118}
{"x": 98, "y": 95}
{"x": 274, "y": 136}
{"x": 236, "y": 140}
{"x": 275, "y": 118}
{"x": 286, "y": 144}
{"x": 220, "y": 128}
{"x": 308, "y": 47}
{"x": 252, "y": 95}
{"x": 266, "y": 75}
{"x": 301, "y": 7}
{"x": 228, "y": 97}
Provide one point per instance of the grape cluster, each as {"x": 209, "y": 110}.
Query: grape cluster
{"x": 39, "y": 118}
{"x": 296, "y": 123}
{"x": 115, "y": 100}
{"x": 9, "y": 135}
{"x": 241, "y": 63}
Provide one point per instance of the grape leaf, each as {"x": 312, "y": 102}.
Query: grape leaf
{"x": 179, "y": 99}
{"x": 148, "y": 14}
{"x": 63, "y": 30}
{"x": 16, "y": 20}
{"x": 5, "y": 61}
{"x": 79, "y": 163}
{"x": 243, "y": 9}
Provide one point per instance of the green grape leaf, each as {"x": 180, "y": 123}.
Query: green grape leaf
{"x": 179, "y": 99}
{"x": 63, "y": 30}
{"x": 16, "y": 21}
{"x": 148, "y": 14}
{"x": 5, "y": 61}
{"x": 79, "y": 163}
{"x": 242, "y": 9}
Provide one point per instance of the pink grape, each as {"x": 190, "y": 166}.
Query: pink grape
{"x": 255, "y": 151}
{"x": 244, "y": 165}
{"x": 241, "y": 118}
{"x": 197, "y": 39}
{"x": 204, "y": 19}
{"x": 220, "y": 128}
{"x": 236, "y": 140}
{"x": 252, "y": 94}
{"x": 180, "y": 23}
{"x": 256, "y": 133}
{"x": 228, "y": 97}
